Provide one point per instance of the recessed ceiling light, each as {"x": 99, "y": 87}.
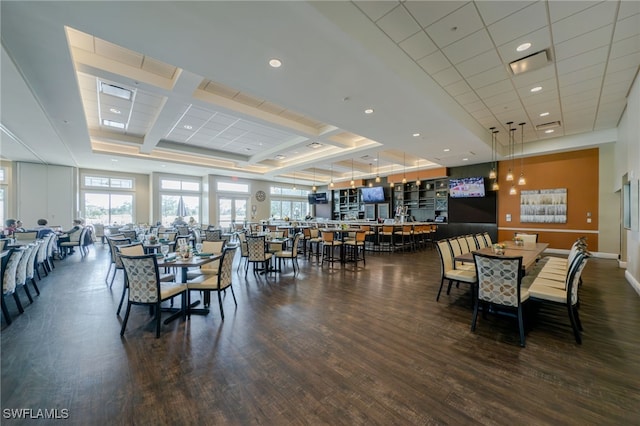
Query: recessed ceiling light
{"x": 549, "y": 131}
{"x": 314, "y": 145}
{"x": 536, "y": 89}
{"x": 163, "y": 165}
{"x": 112, "y": 123}
{"x": 446, "y": 150}
{"x": 275, "y": 63}
{"x": 415, "y": 135}
{"x": 544, "y": 114}
{"x": 118, "y": 92}
{"x": 115, "y": 111}
{"x": 188, "y": 127}
{"x": 465, "y": 159}
{"x": 280, "y": 157}
{"x": 368, "y": 111}
{"x": 114, "y": 160}
{"x": 523, "y": 47}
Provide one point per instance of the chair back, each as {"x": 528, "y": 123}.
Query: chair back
{"x": 42, "y": 250}
{"x": 487, "y": 239}
{"x": 131, "y": 235}
{"x": 527, "y": 238}
{"x": 99, "y": 230}
{"x": 255, "y": 246}
{"x": 169, "y": 236}
{"x": 50, "y": 242}
{"x": 456, "y": 249}
{"x": 480, "y": 241}
{"x": 182, "y": 230}
{"x": 225, "y": 271}
{"x": 23, "y": 264}
{"x": 328, "y": 237}
{"x": 573, "y": 278}
{"x": 446, "y": 256}
{"x": 115, "y": 255}
{"x": 471, "y": 243}
{"x": 499, "y": 279}
{"x": 31, "y": 266}
{"x": 387, "y": 229}
{"x": 361, "y": 236}
{"x": 143, "y": 278}
{"x": 25, "y": 236}
{"x": 9, "y": 277}
{"x": 296, "y": 240}
{"x": 314, "y": 232}
{"x": 135, "y": 249}
{"x": 212, "y": 235}
{"x": 197, "y": 236}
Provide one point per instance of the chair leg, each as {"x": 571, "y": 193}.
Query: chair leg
{"x": 5, "y": 311}
{"x": 476, "y": 306}
{"x": 124, "y": 291}
{"x": 521, "y": 326}
{"x": 35, "y": 286}
{"x": 106, "y": 278}
{"x": 440, "y": 289}
{"x": 158, "y": 318}
{"x": 18, "y": 303}
{"x": 574, "y": 325}
{"x": 26, "y": 290}
{"x": 126, "y": 318}
{"x": 220, "y": 304}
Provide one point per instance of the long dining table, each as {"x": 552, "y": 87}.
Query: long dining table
{"x": 530, "y": 252}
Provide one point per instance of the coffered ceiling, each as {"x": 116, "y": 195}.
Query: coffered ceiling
{"x": 186, "y": 87}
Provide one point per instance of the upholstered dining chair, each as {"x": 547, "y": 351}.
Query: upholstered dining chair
{"x": 80, "y": 243}
{"x": 527, "y": 237}
{"x": 98, "y": 231}
{"x": 115, "y": 258}
{"x": 499, "y": 288}
{"x": 42, "y": 257}
{"x": 26, "y": 236}
{"x": 290, "y": 254}
{"x": 9, "y": 281}
{"x": 145, "y": 287}
{"x": 31, "y": 265}
{"x": 447, "y": 270}
{"x": 211, "y": 268}
{"x": 257, "y": 253}
{"x": 219, "y": 282}
{"x": 135, "y": 249}
{"x": 356, "y": 248}
{"x": 329, "y": 244}
{"x": 23, "y": 266}
{"x": 213, "y": 235}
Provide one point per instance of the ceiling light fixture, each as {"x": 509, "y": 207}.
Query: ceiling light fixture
{"x": 415, "y": 135}
{"x": 404, "y": 168}
{"x": 118, "y": 92}
{"x": 549, "y": 131}
{"x": 523, "y": 47}
{"x": 543, "y": 114}
{"x": 536, "y": 89}
{"x": 275, "y": 63}
{"x": 294, "y": 181}
{"x": 368, "y": 111}
{"x": 188, "y": 127}
{"x": 314, "y": 188}
{"x": 353, "y": 182}
{"x": 522, "y": 180}
{"x": 493, "y": 174}
{"x": 391, "y": 184}
{"x": 331, "y": 184}
{"x": 446, "y": 150}
{"x": 111, "y": 123}
{"x": 115, "y": 110}
{"x": 378, "y": 168}
{"x": 418, "y": 174}
{"x": 509, "y": 176}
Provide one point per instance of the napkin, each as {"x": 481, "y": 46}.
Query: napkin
{"x": 205, "y": 254}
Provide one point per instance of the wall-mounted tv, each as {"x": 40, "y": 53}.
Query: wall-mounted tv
{"x": 373, "y": 195}
{"x": 466, "y": 187}
{"x": 318, "y": 198}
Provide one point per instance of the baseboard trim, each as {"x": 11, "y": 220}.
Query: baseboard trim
{"x": 635, "y": 284}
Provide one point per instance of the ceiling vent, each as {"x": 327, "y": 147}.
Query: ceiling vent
{"x": 314, "y": 145}
{"x": 532, "y": 62}
{"x": 546, "y": 126}
{"x": 113, "y": 90}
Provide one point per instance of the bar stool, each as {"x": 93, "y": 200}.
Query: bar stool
{"x": 328, "y": 248}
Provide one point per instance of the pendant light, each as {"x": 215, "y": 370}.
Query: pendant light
{"x": 378, "y": 169}
{"x": 418, "y": 174}
{"x": 493, "y": 174}
{"x": 371, "y": 174}
{"x": 404, "y": 168}
{"x": 353, "y": 182}
{"x": 522, "y": 180}
{"x": 331, "y": 184}
{"x": 294, "y": 181}
{"x": 510, "y": 172}
{"x": 314, "y": 188}
{"x": 391, "y": 184}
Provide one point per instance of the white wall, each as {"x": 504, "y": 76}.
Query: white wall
{"x": 627, "y": 160}
{"x": 608, "y": 203}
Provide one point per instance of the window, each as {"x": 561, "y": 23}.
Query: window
{"x": 106, "y": 182}
{"x": 2, "y": 205}
{"x": 180, "y": 197}
{"x": 233, "y": 187}
{"x": 289, "y": 203}
{"x": 108, "y": 208}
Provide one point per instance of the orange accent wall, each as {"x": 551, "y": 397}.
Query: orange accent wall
{"x": 577, "y": 171}
{"x": 423, "y": 174}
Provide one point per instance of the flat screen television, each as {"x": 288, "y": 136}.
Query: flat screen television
{"x": 466, "y": 187}
{"x": 373, "y": 195}
{"x": 319, "y": 198}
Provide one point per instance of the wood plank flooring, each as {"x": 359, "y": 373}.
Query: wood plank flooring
{"x": 338, "y": 346}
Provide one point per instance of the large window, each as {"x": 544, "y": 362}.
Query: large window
{"x": 180, "y": 197}
{"x": 108, "y": 200}
{"x": 232, "y": 202}
{"x": 3, "y": 196}
{"x": 289, "y": 203}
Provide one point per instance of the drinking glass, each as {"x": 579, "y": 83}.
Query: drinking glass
{"x": 164, "y": 249}
{"x": 198, "y": 247}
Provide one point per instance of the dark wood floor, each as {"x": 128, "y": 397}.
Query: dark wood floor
{"x": 343, "y": 346}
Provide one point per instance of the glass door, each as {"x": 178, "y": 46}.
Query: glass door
{"x": 231, "y": 210}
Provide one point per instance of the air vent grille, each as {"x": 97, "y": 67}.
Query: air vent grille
{"x": 532, "y": 62}
{"x": 546, "y": 126}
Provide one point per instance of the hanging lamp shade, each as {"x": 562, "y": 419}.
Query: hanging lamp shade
{"x": 521, "y": 179}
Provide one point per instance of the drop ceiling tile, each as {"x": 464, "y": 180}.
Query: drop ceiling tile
{"x": 501, "y": 99}
{"x": 434, "y": 62}
{"x": 477, "y": 64}
{"x": 376, "y": 9}
{"x": 496, "y": 88}
{"x": 627, "y": 27}
{"x": 418, "y": 45}
{"x": 492, "y": 11}
{"x": 398, "y": 24}
{"x": 447, "y": 76}
{"x": 611, "y": 95}
{"x": 584, "y": 60}
{"x": 581, "y": 86}
{"x": 623, "y": 62}
{"x": 580, "y": 98}
{"x": 428, "y": 12}
{"x": 465, "y": 21}
{"x": 581, "y": 74}
{"x": 539, "y": 39}
{"x": 474, "y": 106}
{"x": 563, "y": 9}
{"x": 467, "y": 98}
{"x": 581, "y": 44}
{"x": 625, "y": 75}
{"x": 458, "y": 88}
{"x": 625, "y": 47}
{"x": 600, "y": 15}
{"x": 512, "y": 112}
{"x": 628, "y": 8}
{"x": 525, "y": 21}
{"x": 488, "y": 77}
{"x": 619, "y": 87}
{"x": 471, "y": 45}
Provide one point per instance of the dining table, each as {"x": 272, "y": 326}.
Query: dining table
{"x": 530, "y": 252}
{"x": 171, "y": 261}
